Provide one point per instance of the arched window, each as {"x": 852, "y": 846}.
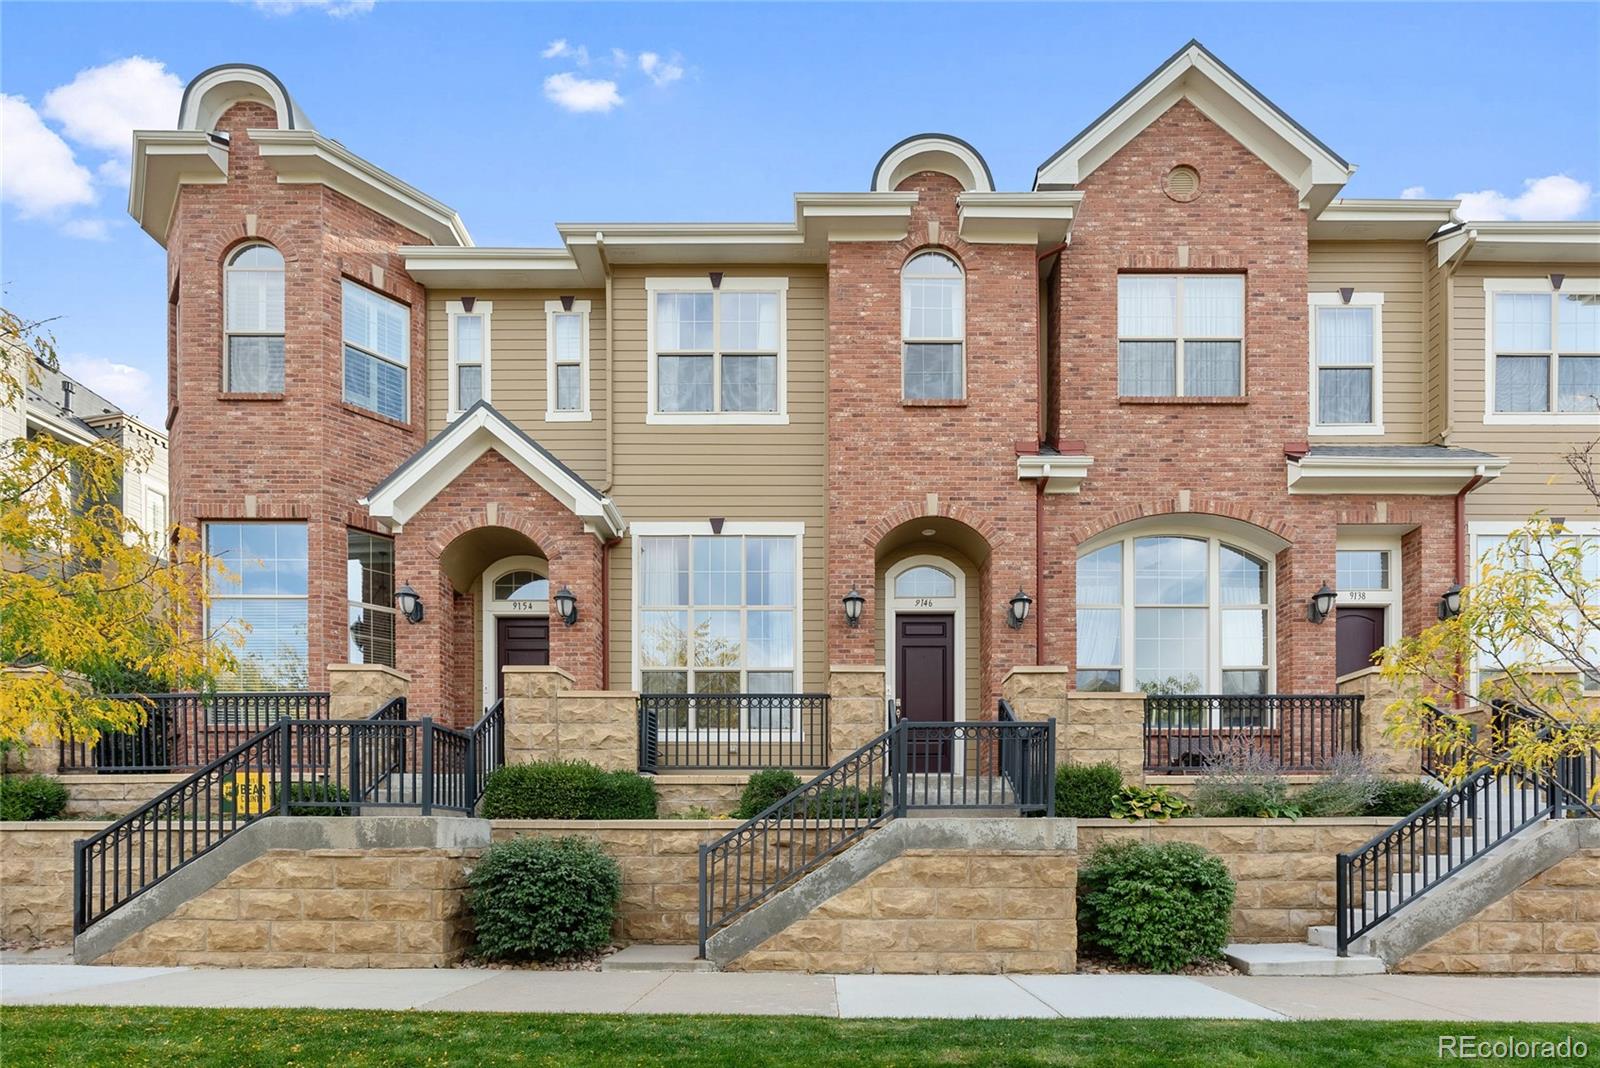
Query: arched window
{"x": 521, "y": 586}
{"x": 933, "y": 328}
{"x": 925, "y": 580}
{"x": 253, "y": 319}
{"x": 1190, "y": 615}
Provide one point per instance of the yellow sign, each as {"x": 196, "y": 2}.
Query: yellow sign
{"x": 248, "y": 793}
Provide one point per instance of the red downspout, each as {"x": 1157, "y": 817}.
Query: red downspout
{"x": 1461, "y": 550}
{"x": 605, "y": 611}
{"x": 1038, "y": 573}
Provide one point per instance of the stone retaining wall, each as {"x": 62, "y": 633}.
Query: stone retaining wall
{"x": 110, "y": 796}
{"x": 36, "y": 879}
{"x": 716, "y": 792}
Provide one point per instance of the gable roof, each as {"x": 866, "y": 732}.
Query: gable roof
{"x": 1192, "y": 73}
{"x": 478, "y": 430}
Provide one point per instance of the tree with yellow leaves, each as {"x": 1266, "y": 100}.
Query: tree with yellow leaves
{"x": 84, "y": 591}
{"x": 1511, "y": 678}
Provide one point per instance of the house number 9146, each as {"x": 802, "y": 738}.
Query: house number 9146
{"x": 924, "y": 602}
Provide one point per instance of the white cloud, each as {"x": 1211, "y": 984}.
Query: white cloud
{"x": 37, "y": 171}
{"x": 1552, "y": 198}
{"x": 102, "y": 106}
{"x": 88, "y": 229}
{"x": 582, "y": 94}
{"x": 658, "y": 70}
{"x": 130, "y": 388}
{"x": 1413, "y": 192}
{"x": 555, "y": 49}
{"x": 561, "y": 49}
{"x": 113, "y": 172}
{"x": 620, "y": 59}
{"x": 338, "y": 9}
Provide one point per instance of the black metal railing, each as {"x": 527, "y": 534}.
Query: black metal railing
{"x": 732, "y": 731}
{"x": 187, "y": 731}
{"x": 1011, "y": 764}
{"x": 1299, "y": 732}
{"x": 295, "y": 767}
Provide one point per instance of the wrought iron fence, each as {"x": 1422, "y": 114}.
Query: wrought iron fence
{"x": 732, "y": 731}
{"x": 1299, "y": 732}
{"x": 186, "y": 731}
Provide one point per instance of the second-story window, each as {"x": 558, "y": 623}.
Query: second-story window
{"x": 469, "y": 353}
{"x": 1544, "y": 349}
{"x": 377, "y": 352}
{"x": 1180, "y": 335}
{"x": 567, "y": 360}
{"x": 1347, "y": 363}
{"x": 253, "y": 360}
{"x": 933, "y": 328}
{"x": 717, "y": 353}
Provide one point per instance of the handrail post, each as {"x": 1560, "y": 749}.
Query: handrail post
{"x": 1342, "y": 903}
{"x": 285, "y": 754}
{"x": 469, "y": 775}
{"x": 427, "y": 765}
{"x": 898, "y": 732}
{"x": 1050, "y": 769}
{"x": 80, "y": 892}
{"x": 705, "y": 906}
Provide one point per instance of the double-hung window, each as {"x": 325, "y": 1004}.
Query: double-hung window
{"x": 1347, "y": 363}
{"x": 469, "y": 353}
{"x": 156, "y": 521}
{"x": 377, "y": 352}
{"x": 718, "y": 614}
{"x": 567, "y": 360}
{"x": 1543, "y": 358}
{"x": 253, "y": 360}
{"x": 261, "y": 597}
{"x": 717, "y": 353}
{"x": 369, "y": 577}
{"x": 1180, "y": 335}
{"x": 933, "y": 328}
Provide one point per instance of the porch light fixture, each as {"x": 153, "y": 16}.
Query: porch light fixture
{"x": 1019, "y": 606}
{"x": 410, "y": 605}
{"x": 1321, "y": 604}
{"x": 1450, "y": 602}
{"x": 853, "y": 603}
{"x": 567, "y": 606}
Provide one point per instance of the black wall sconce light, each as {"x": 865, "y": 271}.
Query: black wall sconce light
{"x": 410, "y": 605}
{"x": 1450, "y": 602}
{"x": 853, "y": 604}
{"x": 566, "y": 301}
{"x": 1321, "y": 604}
{"x": 567, "y": 606}
{"x": 716, "y": 279}
{"x": 1346, "y": 294}
{"x": 1017, "y": 610}
{"x": 467, "y": 303}
{"x": 1556, "y": 280}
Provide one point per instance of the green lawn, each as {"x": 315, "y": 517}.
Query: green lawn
{"x": 124, "y": 1037}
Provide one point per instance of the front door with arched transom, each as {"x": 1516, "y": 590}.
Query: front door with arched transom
{"x": 924, "y": 651}
{"x": 516, "y": 620}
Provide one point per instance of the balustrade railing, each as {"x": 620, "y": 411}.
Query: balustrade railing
{"x": 743, "y": 731}
{"x": 1183, "y": 733}
{"x": 186, "y": 731}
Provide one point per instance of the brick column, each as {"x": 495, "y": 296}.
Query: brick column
{"x": 855, "y": 707}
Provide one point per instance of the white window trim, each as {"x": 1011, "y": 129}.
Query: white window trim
{"x": 494, "y": 610}
{"x": 454, "y": 309}
{"x": 553, "y": 308}
{"x": 898, "y": 606}
{"x": 1500, "y": 528}
{"x": 1179, "y": 337}
{"x": 211, "y": 624}
{"x": 1539, "y": 284}
{"x": 1214, "y": 607}
{"x": 697, "y": 284}
{"x": 797, "y": 531}
{"x": 1370, "y": 300}
{"x": 906, "y": 338}
{"x": 345, "y": 343}
{"x": 228, "y": 271}
{"x": 368, "y": 606}
{"x": 1390, "y": 599}
{"x": 157, "y": 532}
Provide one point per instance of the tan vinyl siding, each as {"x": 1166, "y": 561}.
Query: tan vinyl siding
{"x": 1537, "y": 478}
{"x": 1396, "y": 269}
{"x": 1438, "y": 393}
{"x": 740, "y": 473}
{"x": 517, "y": 372}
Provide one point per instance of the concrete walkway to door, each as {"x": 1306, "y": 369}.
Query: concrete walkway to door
{"x": 1373, "y": 997}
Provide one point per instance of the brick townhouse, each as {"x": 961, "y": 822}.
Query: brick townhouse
{"x": 1176, "y": 418}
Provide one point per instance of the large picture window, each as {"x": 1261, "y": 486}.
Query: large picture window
{"x": 369, "y": 572}
{"x": 263, "y": 595}
{"x": 718, "y": 614}
{"x": 377, "y": 352}
{"x": 1544, "y": 351}
{"x": 1174, "y": 613}
{"x": 1180, "y": 335}
{"x": 717, "y": 354}
{"x": 253, "y": 360}
{"x": 933, "y": 328}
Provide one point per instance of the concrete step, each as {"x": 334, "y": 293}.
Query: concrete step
{"x": 1297, "y": 958}
{"x": 643, "y": 958}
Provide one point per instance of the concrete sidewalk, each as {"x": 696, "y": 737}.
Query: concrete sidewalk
{"x": 1390, "y": 997}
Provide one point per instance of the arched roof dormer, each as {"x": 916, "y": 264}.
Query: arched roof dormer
{"x": 211, "y": 93}
{"x": 933, "y": 152}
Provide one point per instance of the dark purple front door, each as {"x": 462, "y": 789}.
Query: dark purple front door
{"x": 1360, "y": 634}
{"x": 520, "y": 640}
{"x": 925, "y": 684}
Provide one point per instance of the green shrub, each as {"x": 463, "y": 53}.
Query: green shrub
{"x": 1148, "y": 803}
{"x": 325, "y": 793}
{"x": 1400, "y": 797}
{"x": 1156, "y": 906}
{"x": 1087, "y": 791}
{"x": 845, "y": 803}
{"x": 32, "y": 797}
{"x": 1240, "y": 784}
{"x": 543, "y": 899}
{"x": 567, "y": 790}
{"x": 1347, "y": 790}
{"x": 765, "y": 787}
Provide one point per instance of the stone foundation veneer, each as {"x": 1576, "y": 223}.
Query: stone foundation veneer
{"x": 856, "y": 708}
{"x": 546, "y": 719}
{"x": 356, "y": 691}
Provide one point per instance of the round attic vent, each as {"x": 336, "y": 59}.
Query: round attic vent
{"x": 1182, "y": 183}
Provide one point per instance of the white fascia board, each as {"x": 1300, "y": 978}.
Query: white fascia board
{"x": 825, "y": 217}
{"x": 1043, "y": 218}
{"x": 306, "y": 157}
{"x": 645, "y": 243}
{"x": 1392, "y": 220}
{"x": 1525, "y": 242}
{"x": 1062, "y": 474}
{"x": 496, "y": 268}
{"x": 57, "y": 427}
{"x": 163, "y": 162}
{"x": 1407, "y": 475}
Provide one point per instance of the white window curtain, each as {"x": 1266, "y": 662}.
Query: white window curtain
{"x": 933, "y": 328}
{"x": 1180, "y": 335}
{"x": 1345, "y": 365}
{"x": 254, "y": 318}
{"x": 1546, "y": 351}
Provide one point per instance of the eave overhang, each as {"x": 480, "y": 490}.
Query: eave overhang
{"x": 1521, "y": 242}
{"x": 1421, "y": 476}
{"x": 1041, "y": 219}
{"x": 497, "y": 268}
{"x": 1061, "y": 474}
{"x": 163, "y": 162}
{"x": 1382, "y": 220}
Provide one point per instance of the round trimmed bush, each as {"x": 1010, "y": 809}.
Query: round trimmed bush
{"x": 567, "y": 790}
{"x": 543, "y": 899}
{"x": 764, "y": 788}
{"x": 31, "y": 797}
{"x": 1087, "y": 791}
{"x": 1156, "y": 906}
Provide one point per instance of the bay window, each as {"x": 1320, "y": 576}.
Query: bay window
{"x": 717, "y": 353}
{"x": 1542, "y": 362}
{"x": 468, "y": 343}
{"x": 377, "y": 352}
{"x": 1347, "y": 364}
{"x": 1180, "y": 335}
{"x": 261, "y": 595}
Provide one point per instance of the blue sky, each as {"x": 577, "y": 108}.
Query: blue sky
{"x": 735, "y": 109}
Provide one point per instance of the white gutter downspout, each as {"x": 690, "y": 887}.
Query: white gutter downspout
{"x": 611, "y": 406}
{"x": 1452, "y": 265}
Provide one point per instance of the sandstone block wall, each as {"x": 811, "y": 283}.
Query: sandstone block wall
{"x": 1104, "y": 727}
{"x": 109, "y": 796}
{"x": 717, "y": 793}
{"x": 36, "y": 879}
{"x": 546, "y": 719}
{"x": 856, "y": 707}
{"x": 356, "y": 691}
{"x": 1391, "y": 757}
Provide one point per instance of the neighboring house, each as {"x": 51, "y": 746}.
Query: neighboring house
{"x": 55, "y": 404}
{"x": 1168, "y": 394}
